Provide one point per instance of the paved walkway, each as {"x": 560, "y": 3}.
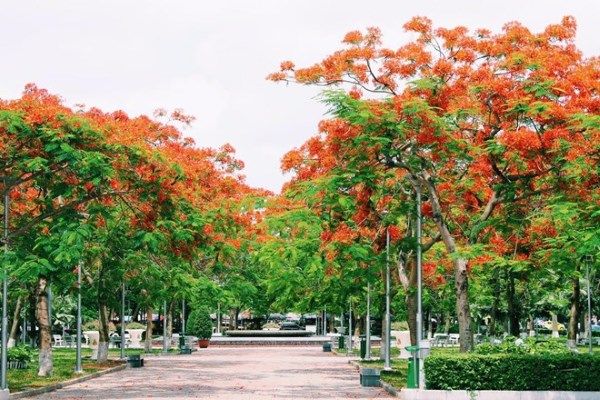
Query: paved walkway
{"x": 230, "y": 373}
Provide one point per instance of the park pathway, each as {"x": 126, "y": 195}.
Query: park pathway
{"x": 230, "y": 373}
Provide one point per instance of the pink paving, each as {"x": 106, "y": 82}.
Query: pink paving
{"x": 231, "y": 373}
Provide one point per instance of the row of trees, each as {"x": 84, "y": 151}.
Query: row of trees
{"x": 124, "y": 199}
{"x": 499, "y": 134}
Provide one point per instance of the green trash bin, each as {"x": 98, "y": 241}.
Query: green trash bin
{"x": 183, "y": 347}
{"x": 412, "y": 378}
{"x": 363, "y": 346}
{"x": 341, "y": 342}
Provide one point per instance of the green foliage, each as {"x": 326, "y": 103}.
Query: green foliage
{"x": 543, "y": 371}
{"x": 199, "y": 323}
{"x": 21, "y": 353}
{"x": 528, "y": 346}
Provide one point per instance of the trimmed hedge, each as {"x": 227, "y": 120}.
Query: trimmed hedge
{"x": 571, "y": 372}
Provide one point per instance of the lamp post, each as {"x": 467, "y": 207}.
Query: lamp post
{"x": 368, "y": 325}
{"x": 3, "y": 385}
{"x": 24, "y": 328}
{"x": 589, "y": 260}
{"x": 165, "y": 344}
{"x": 78, "y": 368}
{"x": 49, "y": 297}
{"x": 325, "y": 321}
{"x": 349, "y": 349}
{"x": 123, "y": 340}
{"x": 386, "y": 365}
{"x": 183, "y": 319}
{"x": 219, "y": 317}
{"x": 419, "y": 289}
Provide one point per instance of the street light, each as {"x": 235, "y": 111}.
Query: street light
{"x": 349, "y": 349}
{"x": 123, "y": 342}
{"x": 386, "y": 365}
{"x": 3, "y": 385}
{"x": 78, "y": 368}
{"x": 368, "y": 325}
{"x": 419, "y": 289}
{"x": 219, "y": 317}
{"x": 589, "y": 259}
{"x": 165, "y": 344}
{"x": 183, "y": 319}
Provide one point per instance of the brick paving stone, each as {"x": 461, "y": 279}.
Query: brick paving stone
{"x": 230, "y": 373}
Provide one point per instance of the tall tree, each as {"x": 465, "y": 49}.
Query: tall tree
{"x": 475, "y": 121}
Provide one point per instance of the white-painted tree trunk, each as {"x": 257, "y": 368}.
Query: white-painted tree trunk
{"x": 45, "y": 333}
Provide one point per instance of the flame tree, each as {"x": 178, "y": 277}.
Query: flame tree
{"x": 479, "y": 122}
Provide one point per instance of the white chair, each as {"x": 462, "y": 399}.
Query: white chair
{"x": 453, "y": 338}
{"x": 58, "y": 340}
{"x": 439, "y": 340}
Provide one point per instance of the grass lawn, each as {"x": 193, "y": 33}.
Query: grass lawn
{"x": 64, "y": 368}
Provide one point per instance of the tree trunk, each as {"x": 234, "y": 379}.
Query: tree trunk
{"x": 233, "y": 316}
{"x": 32, "y": 316}
{"x": 407, "y": 273}
{"x": 14, "y": 328}
{"x": 463, "y": 310}
{"x": 148, "y": 341}
{"x": 448, "y": 323}
{"x": 461, "y": 278}
{"x": 429, "y": 324}
{"x": 554, "y": 325}
{"x": 331, "y": 323}
{"x": 530, "y": 327}
{"x": 103, "y": 312}
{"x": 495, "y": 302}
{"x": 513, "y": 309}
{"x": 104, "y": 331}
{"x": 575, "y": 308}
{"x": 43, "y": 319}
{"x": 170, "y": 308}
{"x": 384, "y": 331}
{"x": 135, "y": 313}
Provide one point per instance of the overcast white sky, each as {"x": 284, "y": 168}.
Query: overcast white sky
{"x": 211, "y": 57}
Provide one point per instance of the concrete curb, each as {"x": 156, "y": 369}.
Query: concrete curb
{"x": 60, "y": 385}
{"x": 390, "y": 389}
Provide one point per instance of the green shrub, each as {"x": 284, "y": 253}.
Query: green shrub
{"x": 527, "y": 346}
{"x": 20, "y": 353}
{"x": 543, "y": 371}
{"x": 199, "y": 323}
